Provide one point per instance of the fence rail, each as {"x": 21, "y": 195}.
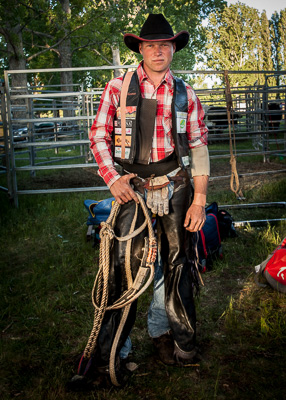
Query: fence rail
{"x": 46, "y": 128}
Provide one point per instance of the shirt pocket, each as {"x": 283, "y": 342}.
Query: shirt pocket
{"x": 167, "y": 122}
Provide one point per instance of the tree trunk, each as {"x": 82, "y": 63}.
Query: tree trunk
{"x": 116, "y": 61}
{"x": 66, "y": 62}
{"x": 17, "y": 60}
{"x": 66, "y": 76}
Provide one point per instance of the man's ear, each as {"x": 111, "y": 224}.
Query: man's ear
{"x": 140, "y": 47}
{"x": 174, "y": 46}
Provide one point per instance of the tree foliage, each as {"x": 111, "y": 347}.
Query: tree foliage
{"x": 82, "y": 33}
{"x": 39, "y": 34}
{"x": 240, "y": 39}
{"x": 278, "y": 39}
{"x": 233, "y": 41}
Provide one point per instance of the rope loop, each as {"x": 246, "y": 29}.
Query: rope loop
{"x": 135, "y": 287}
{"x": 234, "y": 179}
{"x": 106, "y": 230}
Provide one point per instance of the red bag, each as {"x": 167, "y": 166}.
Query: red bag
{"x": 273, "y": 269}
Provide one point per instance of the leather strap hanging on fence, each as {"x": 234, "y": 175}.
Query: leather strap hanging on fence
{"x": 234, "y": 179}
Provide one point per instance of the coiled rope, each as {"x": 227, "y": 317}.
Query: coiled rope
{"x": 234, "y": 179}
{"x": 134, "y": 287}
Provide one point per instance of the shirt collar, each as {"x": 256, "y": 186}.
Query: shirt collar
{"x": 168, "y": 78}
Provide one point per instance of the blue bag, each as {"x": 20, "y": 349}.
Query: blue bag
{"x": 98, "y": 210}
{"x": 209, "y": 243}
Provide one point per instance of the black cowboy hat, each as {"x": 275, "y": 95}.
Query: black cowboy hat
{"x": 155, "y": 28}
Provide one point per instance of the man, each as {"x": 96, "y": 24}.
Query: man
{"x": 164, "y": 123}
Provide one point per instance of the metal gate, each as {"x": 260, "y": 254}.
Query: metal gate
{"x": 46, "y": 128}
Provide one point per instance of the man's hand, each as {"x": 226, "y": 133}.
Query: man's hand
{"x": 195, "y": 218}
{"x": 122, "y": 190}
{"x": 196, "y": 214}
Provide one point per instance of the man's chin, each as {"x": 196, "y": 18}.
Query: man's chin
{"x": 160, "y": 68}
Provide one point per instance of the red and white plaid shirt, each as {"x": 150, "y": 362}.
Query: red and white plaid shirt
{"x": 101, "y": 131}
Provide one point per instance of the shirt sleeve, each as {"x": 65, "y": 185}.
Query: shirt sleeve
{"x": 100, "y": 135}
{"x": 196, "y": 129}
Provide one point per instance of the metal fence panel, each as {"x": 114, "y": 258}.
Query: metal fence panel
{"x": 46, "y": 128}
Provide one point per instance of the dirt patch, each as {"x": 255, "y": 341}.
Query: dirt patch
{"x": 250, "y": 174}
{"x": 88, "y": 177}
{"x": 67, "y": 178}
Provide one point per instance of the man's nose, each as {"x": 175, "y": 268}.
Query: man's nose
{"x": 157, "y": 49}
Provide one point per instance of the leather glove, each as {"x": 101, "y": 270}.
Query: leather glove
{"x": 158, "y": 201}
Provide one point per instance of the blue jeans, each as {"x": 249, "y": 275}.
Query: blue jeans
{"x": 157, "y": 317}
{"x": 158, "y": 323}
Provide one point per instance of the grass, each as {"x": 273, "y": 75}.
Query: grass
{"x": 47, "y": 273}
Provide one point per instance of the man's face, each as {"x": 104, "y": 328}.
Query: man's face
{"x": 157, "y": 56}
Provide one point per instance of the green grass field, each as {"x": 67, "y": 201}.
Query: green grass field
{"x": 47, "y": 273}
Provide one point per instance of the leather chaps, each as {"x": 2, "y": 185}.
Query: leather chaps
{"x": 173, "y": 240}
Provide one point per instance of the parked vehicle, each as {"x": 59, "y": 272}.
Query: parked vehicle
{"x": 20, "y": 134}
{"x": 42, "y": 130}
{"x": 216, "y": 119}
{"x": 47, "y": 131}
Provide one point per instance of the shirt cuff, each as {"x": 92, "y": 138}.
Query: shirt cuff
{"x": 113, "y": 180}
{"x": 110, "y": 178}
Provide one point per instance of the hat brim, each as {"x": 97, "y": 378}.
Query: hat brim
{"x": 132, "y": 41}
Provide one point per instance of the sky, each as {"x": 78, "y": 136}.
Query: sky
{"x": 268, "y": 5}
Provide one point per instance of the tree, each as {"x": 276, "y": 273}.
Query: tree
{"x": 240, "y": 39}
{"x": 106, "y": 41}
{"x": 265, "y": 53}
{"x": 234, "y": 42}
{"x": 34, "y": 28}
{"x": 85, "y": 32}
{"x": 278, "y": 38}
{"x": 282, "y": 36}
{"x": 13, "y": 20}
{"x": 61, "y": 20}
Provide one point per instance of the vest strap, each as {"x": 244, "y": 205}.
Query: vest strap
{"x": 123, "y": 96}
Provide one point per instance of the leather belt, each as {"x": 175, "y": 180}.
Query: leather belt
{"x": 159, "y": 168}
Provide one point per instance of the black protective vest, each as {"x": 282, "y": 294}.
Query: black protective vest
{"x": 140, "y": 122}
